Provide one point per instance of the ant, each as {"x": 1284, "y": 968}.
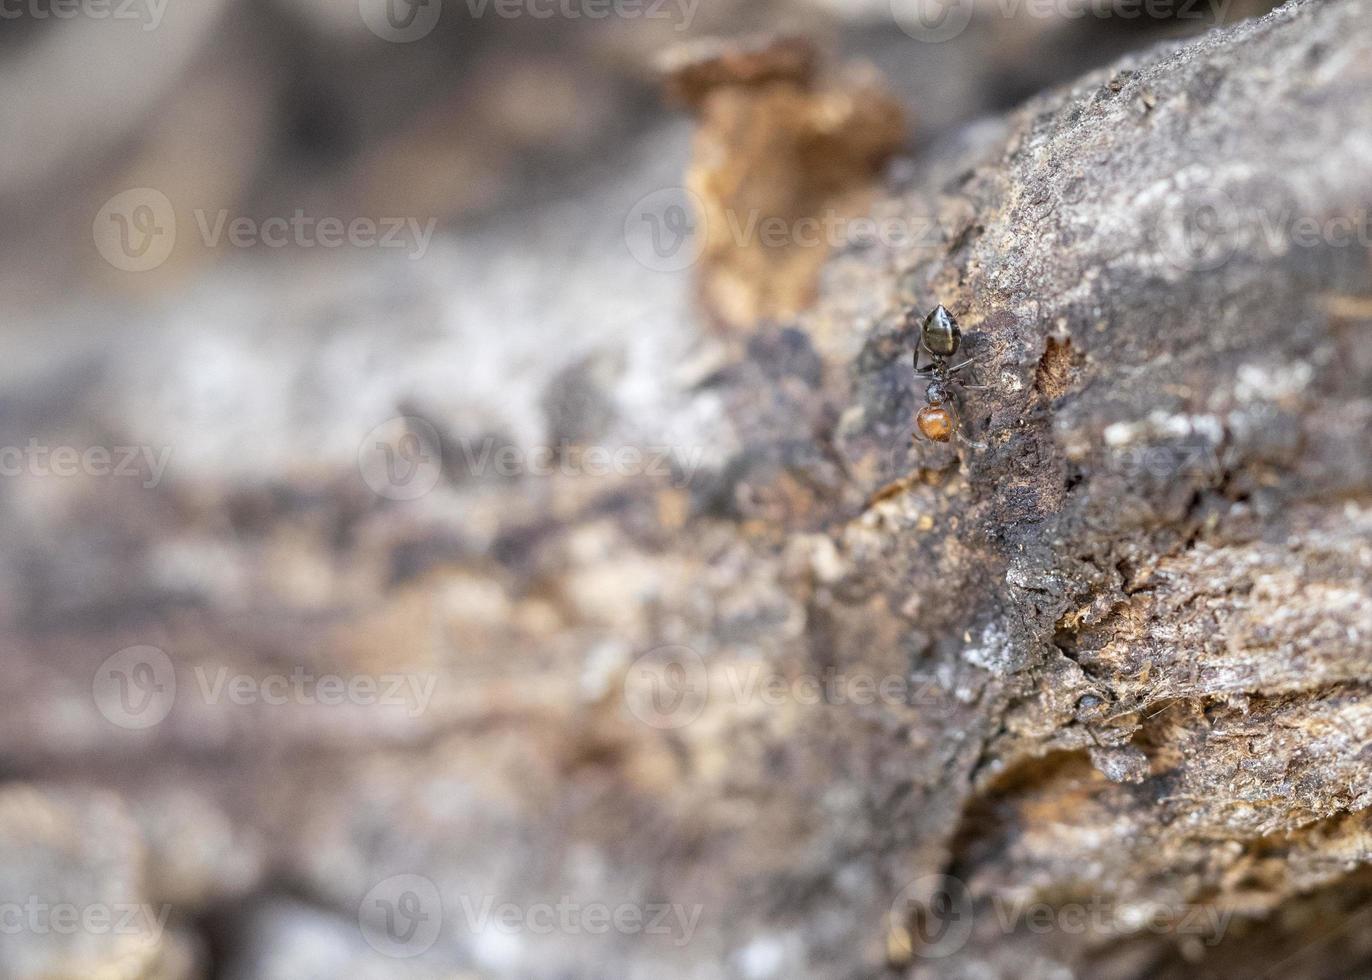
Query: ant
{"x": 939, "y": 337}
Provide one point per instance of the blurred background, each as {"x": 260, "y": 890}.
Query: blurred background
{"x": 240, "y": 240}
{"x": 471, "y": 111}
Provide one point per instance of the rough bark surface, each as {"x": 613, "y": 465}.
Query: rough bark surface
{"x": 1132, "y": 615}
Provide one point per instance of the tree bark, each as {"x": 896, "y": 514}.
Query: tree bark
{"x": 834, "y": 702}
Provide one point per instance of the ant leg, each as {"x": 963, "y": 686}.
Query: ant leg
{"x": 959, "y": 367}
{"x": 962, "y": 415}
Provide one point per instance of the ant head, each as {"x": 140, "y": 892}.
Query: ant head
{"x": 940, "y": 334}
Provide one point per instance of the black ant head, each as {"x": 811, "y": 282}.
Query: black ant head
{"x": 940, "y": 334}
